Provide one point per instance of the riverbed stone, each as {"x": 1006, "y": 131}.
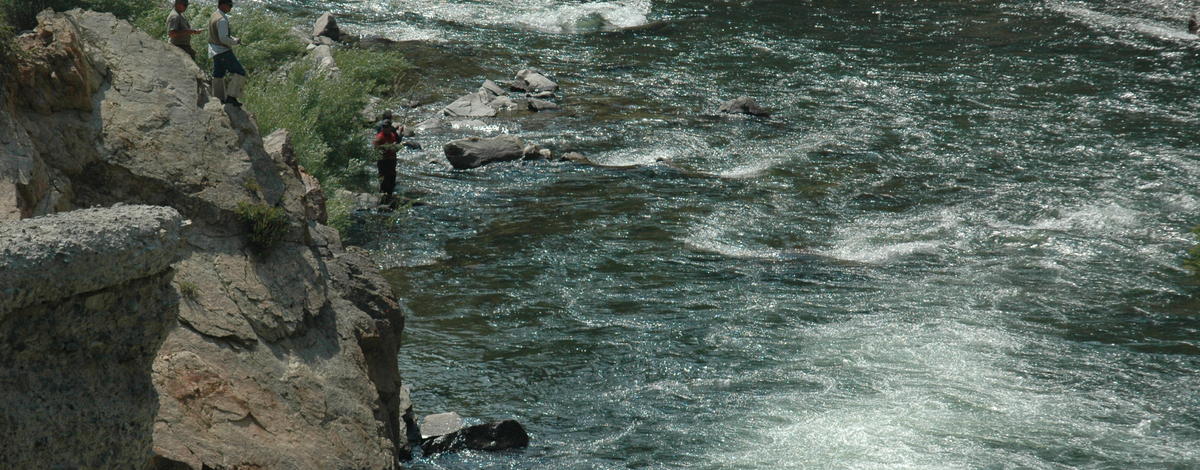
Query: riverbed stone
{"x": 440, "y": 424}
{"x": 494, "y": 436}
{"x": 475, "y": 152}
{"x": 744, "y": 105}
{"x": 534, "y": 82}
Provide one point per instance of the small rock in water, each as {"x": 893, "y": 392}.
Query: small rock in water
{"x": 744, "y": 105}
{"x": 546, "y": 154}
{"x": 492, "y": 88}
{"x": 545, "y": 95}
{"x": 500, "y": 435}
{"x": 537, "y": 105}
{"x": 533, "y": 82}
{"x": 1193, "y": 24}
{"x": 575, "y": 157}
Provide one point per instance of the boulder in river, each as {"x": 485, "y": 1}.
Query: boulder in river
{"x": 327, "y": 26}
{"x": 537, "y": 105}
{"x": 744, "y": 105}
{"x": 533, "y": 82}
{"x": 1193, "y": 24}
{"x": 499, "y": 435}
{"x": 440, "y": 424}
{"x": 475, "y": 152}
{"x": 471, "y": 105}
{"x": 492, "y": 88}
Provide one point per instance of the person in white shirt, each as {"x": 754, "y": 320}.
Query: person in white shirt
{"x": 220, "y": 48}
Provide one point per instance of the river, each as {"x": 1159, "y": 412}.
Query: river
{"x": 959, "y": 242}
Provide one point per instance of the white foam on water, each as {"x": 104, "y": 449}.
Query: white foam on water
{"x": 885, "y": 239}
{"x": 1098, "y": 219}
{"x": 1141, "y": 26}
{"x": 550, "y": 16}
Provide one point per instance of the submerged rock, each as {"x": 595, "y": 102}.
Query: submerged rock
{"x": 500, "y": 435}
{"x": 744, "y": 105}
{"x": 475, "y": 152}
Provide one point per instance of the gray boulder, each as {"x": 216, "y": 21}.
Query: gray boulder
{"x": 492, "y": 88}
{"x": 471, "y": 105}
{"x": 537, "y": 105}
{"x": 744, "y": 105}
{"x": 322, "y": 56}
{"x": 475, "y": 152}
{"x": 440, "y": 424}
{"x": 327, "y": 26}
{"x": 533, "y": 82}
{"x": 500, "y": 435}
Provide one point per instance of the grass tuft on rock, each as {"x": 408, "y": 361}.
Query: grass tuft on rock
{"x": 267, "y": 225}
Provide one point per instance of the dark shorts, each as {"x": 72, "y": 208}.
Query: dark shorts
{"x": 226, "y": 62}
{"x": 188, "y": 49}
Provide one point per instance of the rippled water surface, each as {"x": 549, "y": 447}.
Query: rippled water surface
{"x": 957, "y": 244}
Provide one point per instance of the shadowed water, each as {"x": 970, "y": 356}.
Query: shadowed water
{"x": 958, "y": 244}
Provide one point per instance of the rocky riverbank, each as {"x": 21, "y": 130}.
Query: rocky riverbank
{"x": 259, "y": 357}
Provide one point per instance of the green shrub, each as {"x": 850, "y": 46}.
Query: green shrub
{"x": 383, "y": 71}
{"x": 338, "y": 210}
{"x": 267, "y": 224}
{"x": 188, "y": 289}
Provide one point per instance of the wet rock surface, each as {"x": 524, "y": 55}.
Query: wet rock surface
{"x": 475, "y": 152}
{"x": 495, "y": 436}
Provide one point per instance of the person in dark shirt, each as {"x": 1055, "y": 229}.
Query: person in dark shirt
{"x": 180, "y": 31}
{"x": 387, "y": 141}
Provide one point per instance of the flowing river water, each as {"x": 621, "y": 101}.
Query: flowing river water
{"x": 957, "y": 244}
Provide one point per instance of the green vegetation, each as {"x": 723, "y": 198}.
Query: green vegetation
{"x": 284, "y": 90}
{"x": 267, "y": 224}
{"x": 1193, "y": 258}
{"x": 252, "y": 186}
{"x": 322, "y": 113}
{"x": 188, "y": 289}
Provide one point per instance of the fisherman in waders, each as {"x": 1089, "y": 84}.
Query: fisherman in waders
{"x": 180, "y": 31}
{"x": 387, "y": 139}
{"x": 220, "y": 48}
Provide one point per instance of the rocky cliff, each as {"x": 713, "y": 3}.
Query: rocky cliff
{"x": 279, "y": 358}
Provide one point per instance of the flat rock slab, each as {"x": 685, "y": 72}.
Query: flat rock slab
{"x": 440, "y": 424}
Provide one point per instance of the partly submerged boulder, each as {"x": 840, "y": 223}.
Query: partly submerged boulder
{"x": 471, "y": 105}
{"x": 499, "y": 435}
{"x": 744, "y": 105}
{"x": 533, "y": 82}
{"x": 475, "y": 152}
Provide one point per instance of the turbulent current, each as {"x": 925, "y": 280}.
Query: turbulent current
{"x": 959, "y": 242}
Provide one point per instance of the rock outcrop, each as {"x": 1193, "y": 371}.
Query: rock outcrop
{"x": 276, "y": 359}
{"x": 85, "y": 302}
{"x": 475, "y": 152}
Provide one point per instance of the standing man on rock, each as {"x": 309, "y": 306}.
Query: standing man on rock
{"x": 180, "y": 31}
{"x": 387, "y": 138}
{"x": 220, "y": 48}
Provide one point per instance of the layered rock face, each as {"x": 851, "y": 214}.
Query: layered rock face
{"x": 86, "y": 301}
{"x": 279, "y": 359}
